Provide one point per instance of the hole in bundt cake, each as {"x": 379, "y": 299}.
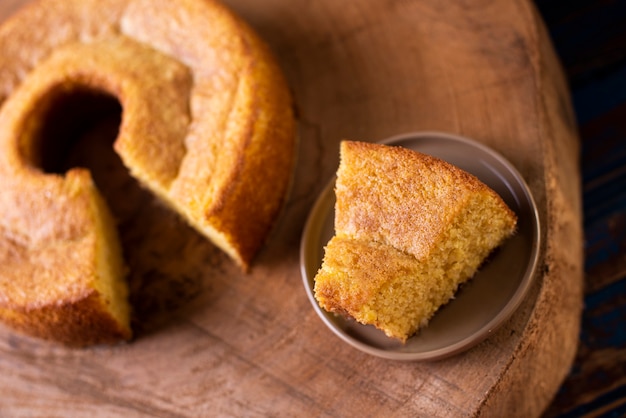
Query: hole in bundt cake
{"x": 67, "y": 115}
{"x": 76, "y": 127}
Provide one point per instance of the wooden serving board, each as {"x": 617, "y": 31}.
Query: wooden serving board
{"x": 211, "y": 341}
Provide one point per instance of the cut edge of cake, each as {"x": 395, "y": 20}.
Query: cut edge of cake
{"x": 394, "y": 289}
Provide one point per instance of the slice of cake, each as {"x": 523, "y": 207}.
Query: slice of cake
{"x": 409, "y": 229}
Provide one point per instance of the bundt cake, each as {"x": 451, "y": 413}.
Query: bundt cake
{"x": 409, "y": 229}
{"x": 207, "y": 125}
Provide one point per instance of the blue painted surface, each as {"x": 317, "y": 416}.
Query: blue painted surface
{"x": 604, "y": 321}
{"x": 590, "y": 39}
{"x": 597, "y": 404}
{"x": 595, "y": 99}
{"x": 601, "y": 246}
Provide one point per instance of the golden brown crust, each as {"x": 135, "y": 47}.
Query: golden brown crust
{"x": 76, "y": 323}
{"x": 409, "y": 229}
{"x": 240, "y": 154}
{"x": 207, "y": 125}
{"x": 343, "y": 254}
{"x": 392, "y": 221}
{"x": 49, "y": 260}
{"x": 31, "y": 34}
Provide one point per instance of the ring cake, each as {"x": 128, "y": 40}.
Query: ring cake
{"x": 207, "y": 125}
{"x": 409, "y": 229}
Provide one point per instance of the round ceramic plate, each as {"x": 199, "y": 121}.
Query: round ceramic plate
{"x": 482, "y": 304}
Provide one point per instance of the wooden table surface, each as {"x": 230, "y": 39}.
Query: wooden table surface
{"x": 243, "y": 363}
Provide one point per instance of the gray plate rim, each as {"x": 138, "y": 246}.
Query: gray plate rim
{"x": 334, "y": 322}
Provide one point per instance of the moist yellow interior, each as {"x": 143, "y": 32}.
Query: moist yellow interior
{"x": 66, "y": 115}
{"x": 110, "y": 281}
{"x": 398, "y": 293}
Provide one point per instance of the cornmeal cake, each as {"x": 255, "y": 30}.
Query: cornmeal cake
{"x": 409, "y": 229}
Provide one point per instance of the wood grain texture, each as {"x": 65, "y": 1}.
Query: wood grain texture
{"x": 212, "y": 341}
{"x": 590, "y": 38}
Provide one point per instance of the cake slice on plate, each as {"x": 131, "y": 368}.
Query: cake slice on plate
{"x": 409, "y": 229}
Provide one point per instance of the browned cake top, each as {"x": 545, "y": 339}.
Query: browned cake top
{"x": 411, "y": 214}
{"x": 207, "y": 125}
